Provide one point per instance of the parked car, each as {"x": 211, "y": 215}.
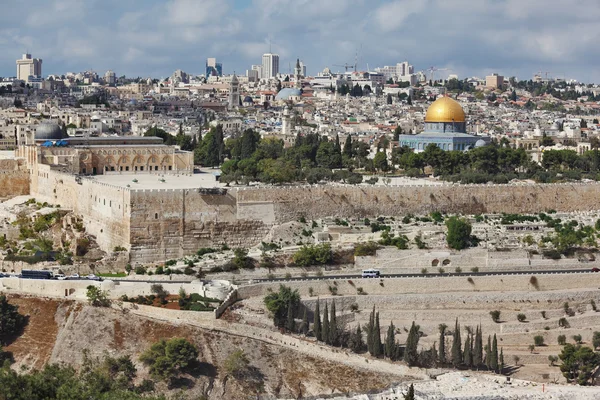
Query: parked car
{"x": 595, "y": 269}
{"x": 93, "y": 277}
{"x": 60, "y": 277}
{"x": 73, "y": 276}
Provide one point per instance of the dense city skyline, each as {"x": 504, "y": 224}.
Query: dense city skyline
{"x": 154, "y": 38}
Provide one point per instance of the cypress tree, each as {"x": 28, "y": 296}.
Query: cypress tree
{"x": 325, "y": 326}
{"x": 468, "y": 352}
{"x": 494, "y": 362}
{"x": 442, "y": 354}
{"x": 412, "y": 342}
{"x": 377, "y": 345}
{"x": 410, "y": 395}
{"x": 390, "y": 342}
{"x": 305, "y": 326}
{"x": 456, "y": 346}
{"x": 348, "y": 146}
{"x": 317, "y": 323}
{"x": 488, "y": 353}
{"x": 370, "y": 329}
{"x": 338, "y": 147}
{"x": 501, "y": 366}
{"x": 356, "y": 342}
{"x": 333, "y": 328}
{"x": 290, "y": 323}
{"x": 478, "y": 349}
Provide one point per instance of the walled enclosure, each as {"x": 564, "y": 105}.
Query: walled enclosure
{"x": 159, "y": 224}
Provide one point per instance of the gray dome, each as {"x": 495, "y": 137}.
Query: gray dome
{"x": 48, "y": 131}
{"x": 285, "y": 94}
{"x": 248, "y": 99}
{"x": 480, "y": 143}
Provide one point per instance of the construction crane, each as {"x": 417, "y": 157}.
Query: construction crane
{"x": 346, "y": 66}
{"x": 432, "y": 70}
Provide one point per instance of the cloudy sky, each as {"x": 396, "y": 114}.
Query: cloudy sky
{"x": 155, "y": 37}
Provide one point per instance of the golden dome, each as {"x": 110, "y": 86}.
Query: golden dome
{"x": 445, "y": 109}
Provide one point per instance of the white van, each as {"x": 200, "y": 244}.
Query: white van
{"x": 371, "y": 273}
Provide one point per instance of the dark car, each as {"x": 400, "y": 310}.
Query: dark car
{"x": 595, "y": 269}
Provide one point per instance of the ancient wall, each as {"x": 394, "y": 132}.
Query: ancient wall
{"x": 105, "y": 208}
{"x": 314, "y": 202}
{"x": 14, "y": 179}
{"x": 167, "y": 224}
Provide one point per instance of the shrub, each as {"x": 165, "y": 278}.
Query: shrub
{"x": 360, "y": 291}
{"x": 11, "y": 321}
{"x": 97, "y": 297}
{"x": 458, "y": 270}
{"x": 552, "y": 360}
{"x": 495, "y": 315}
{"x": 424, "y": 271}
{"x": 170, "y": 263}
{"x": 562, "y": 340}
{"x": 441, "y": 270}
{"x": 288, "y": 275}
{"x": 333, "y": 290}
{"x": 118, "y": 249}
{"x": 534, "y": 282}
{"x": 311, "y": 291}
{"x": 365, "y": 249}
{"x": 531, "y": 348}
{"x": 546, "y": 328}
{"x": 354, "y": 307}
{"x": 577, "y": 339}
{"x": 538, "y": 340}
{"x": 167, "y": 359}
{"x": 475, "y": 269}
{"x": 205, "y": 250}
{"x": 470, "y": 280}
{"x": 313, "y": 255}
{"x": 543, "y": 314}
{"x": 140, "y": 270}
{"x": 521, "y": 317}
{"x": 593, "y": 304}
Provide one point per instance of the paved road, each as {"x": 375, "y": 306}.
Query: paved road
{"x": 358, "y": 276}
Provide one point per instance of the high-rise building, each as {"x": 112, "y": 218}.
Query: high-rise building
{"x": 303, "y": 67}
{"x": 494, "y": 81}
{"x": 110, "y": 78}
{"x": 270, "y": 65}
{"x": 213, "y": 68}
{"x": 28, "y": 66}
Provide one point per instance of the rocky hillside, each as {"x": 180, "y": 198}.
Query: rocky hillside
{"x": 59, "y": 331}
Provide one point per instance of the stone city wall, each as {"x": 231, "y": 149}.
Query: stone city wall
{"x": 105, "y": 208}
{"x": 14, "y": 179}
{"x": 168, "y": 224}
{"x": 312, "y": 202}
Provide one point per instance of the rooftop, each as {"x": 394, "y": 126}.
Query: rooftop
{"x": 147, "y": 181}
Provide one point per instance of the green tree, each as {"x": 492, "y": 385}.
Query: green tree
{"x": 380, "y": 161}
{"x": 333, "y": 326}
{"x": 478, "y": 348}
{"x": 468, "y": 352}
{"x": 325, "y": 326}
{"x": 97, "y": 297}
{"x": 578, "y": 363}
{"x": 317, "y": 323}
{"x": 290, "y": 323}
{"x": 377, "y": 345}
{"x": 494, "y": 354}
{"x": 356, "y": 342}
{"x": 305, "y": 325}
{"x": 456, "y": 346}
{"x": 11, "y": 321}
{"x": 442, "y": 351}
{"x": 459, "y": 233}
{"x": 348, "y": 148}
{"x": 278, "y": 304}
{"x": 168, "y": 359}
{"x": 410, "y": 352}
{"x": 596, "y": 340}
{"x": 390, "y": 342}
{"x": 410, "y": 395}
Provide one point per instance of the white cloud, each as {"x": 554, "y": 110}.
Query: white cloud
{"x": 391, "y": 16}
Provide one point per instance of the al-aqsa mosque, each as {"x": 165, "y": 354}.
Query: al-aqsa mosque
{"x": 446, "y": 127}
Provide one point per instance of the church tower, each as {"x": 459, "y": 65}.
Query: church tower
{"x": 298, "y": 74}
{"x": 234, "y": 93}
